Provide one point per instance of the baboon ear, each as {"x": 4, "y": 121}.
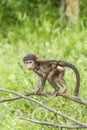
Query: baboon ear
{"x": 37, "y": 58}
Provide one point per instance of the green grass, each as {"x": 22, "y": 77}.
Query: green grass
{"x": 49, "y": 42}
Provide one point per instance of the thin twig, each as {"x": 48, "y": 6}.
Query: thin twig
{"x": 52, "y": 124}
{"x": 46, "y": 107}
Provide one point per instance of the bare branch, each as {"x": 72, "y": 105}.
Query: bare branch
{"x": 53, "y": 124}
{"x": 73, "y": 98}
{"x": 46, "y": 107}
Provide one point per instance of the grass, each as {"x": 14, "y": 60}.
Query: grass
{"x": 49, "y": 42}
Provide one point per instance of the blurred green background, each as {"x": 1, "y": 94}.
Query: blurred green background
{"x": 34, "y": 26}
